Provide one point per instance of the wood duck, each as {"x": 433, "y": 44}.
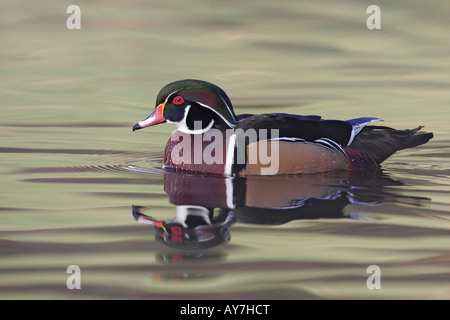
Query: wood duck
{"x": 211, "y": 139}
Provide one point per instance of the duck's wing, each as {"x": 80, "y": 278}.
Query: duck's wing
{"x": 306, "y": 128}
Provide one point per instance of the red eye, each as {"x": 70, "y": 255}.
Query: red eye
{"x": 178, "y": 100}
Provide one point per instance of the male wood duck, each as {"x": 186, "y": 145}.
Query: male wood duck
{"x": 211, "y": 139}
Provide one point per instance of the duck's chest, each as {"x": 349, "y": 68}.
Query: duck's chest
{"x": 222, "y": 153}
{"x": 201, "y": 153}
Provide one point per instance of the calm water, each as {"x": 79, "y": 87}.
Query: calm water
{"x": 75, "y": 178}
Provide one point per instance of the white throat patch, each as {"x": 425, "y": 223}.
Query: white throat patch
{"x": 182, "y": 126}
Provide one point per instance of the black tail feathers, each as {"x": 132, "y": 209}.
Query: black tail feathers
{"x": 377, "y": 143}
{"x": 417, "y": 138}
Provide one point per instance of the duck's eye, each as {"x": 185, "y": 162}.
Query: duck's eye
{"x": 178, "y": 100}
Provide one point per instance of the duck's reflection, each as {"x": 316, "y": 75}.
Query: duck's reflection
{"x": 207, "y": 206}
{"x": 194, "y": 227}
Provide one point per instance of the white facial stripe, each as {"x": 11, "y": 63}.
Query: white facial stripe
{"x": 182, "y": 126}
{"x": 208, "y": 107}
{"x": 206, "y": 129}
{"x": 228, "y": 107}
{"x": 168, "y": 97}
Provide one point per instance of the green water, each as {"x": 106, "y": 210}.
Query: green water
{"x": 69, "y": 98}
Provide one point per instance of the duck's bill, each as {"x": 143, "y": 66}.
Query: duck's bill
{"x": 142, "y": 218}
{"x": 155, "y": 117}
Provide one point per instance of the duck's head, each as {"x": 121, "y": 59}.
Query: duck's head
{"x": 194, "y": 106}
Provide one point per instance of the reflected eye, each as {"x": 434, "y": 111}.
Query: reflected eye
{"x": 178, "y": 100}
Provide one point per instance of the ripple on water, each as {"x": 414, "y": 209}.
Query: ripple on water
{"x": 150, "y": 161}
{"x": 101, "y": 166}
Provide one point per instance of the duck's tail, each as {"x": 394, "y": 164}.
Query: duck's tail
{"x": 374, "y": 144}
